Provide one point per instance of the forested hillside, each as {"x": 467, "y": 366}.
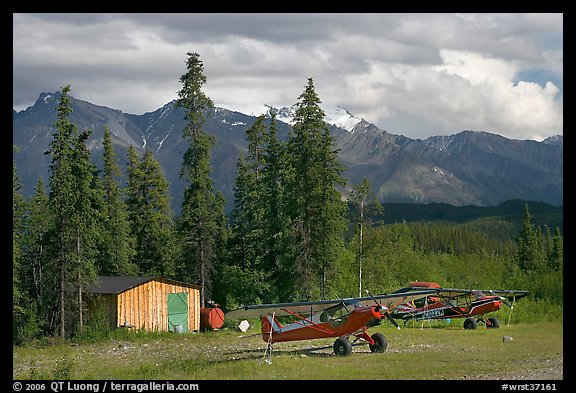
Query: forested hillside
{"x": 511, "y": 210}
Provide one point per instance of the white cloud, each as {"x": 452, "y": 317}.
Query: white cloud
{"x": 475, "y": 68}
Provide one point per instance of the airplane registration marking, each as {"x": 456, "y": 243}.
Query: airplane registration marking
{"x": 432, "y": 313}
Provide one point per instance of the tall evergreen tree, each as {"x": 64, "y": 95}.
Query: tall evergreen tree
{"x": 150, "y": 215}
{"x": 61, "y": 201}
{"x": 117, "y": 246}
{"x": 85, "y": 220}
{"x": 247, "y": 227}
{"x": 200, "y": 223}
{"x": 556, "y": 256}
{"x": 277, "y": 258}
{"x": 249, "y": 202}
{"x": 241, "y": 248}
{"x": 74, "y": 202}
{"x": 315, "y": 203}
{"x": 332, "y": 209}
{"x": 528, "y": 244}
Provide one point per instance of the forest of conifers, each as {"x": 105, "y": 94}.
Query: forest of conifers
{"x": 291, "y": 236}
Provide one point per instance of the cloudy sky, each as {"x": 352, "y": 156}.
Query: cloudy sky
{"x": 411, "y": 74}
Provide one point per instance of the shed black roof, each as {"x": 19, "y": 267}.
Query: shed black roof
{"x": 115, "y": 285}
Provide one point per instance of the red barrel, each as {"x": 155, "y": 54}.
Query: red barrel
{"x": 211, "y": 318}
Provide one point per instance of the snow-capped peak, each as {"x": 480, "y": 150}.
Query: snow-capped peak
{"x": 340, "y": 117}
{"x": 337, "y": 116}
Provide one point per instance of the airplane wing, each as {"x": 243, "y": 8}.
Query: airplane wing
{"x": 444, "y": 292}
{"x": 301, "y": 308}
{"x": 455, "y": 292}
{"x": 509, "y": 294}
{"x": 308, "y": 308}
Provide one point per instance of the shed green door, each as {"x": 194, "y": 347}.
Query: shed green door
{"x": 178, "y": 311}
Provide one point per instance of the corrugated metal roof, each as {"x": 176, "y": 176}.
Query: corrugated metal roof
{"x": 115, "y": 284}
{"x": 112, "y": 284}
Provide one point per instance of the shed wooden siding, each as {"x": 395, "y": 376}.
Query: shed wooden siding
{"x": 146, "y": 305}
{"x": 111, "y": 307}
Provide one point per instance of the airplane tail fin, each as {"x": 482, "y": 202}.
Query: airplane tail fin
{"x": 270, "y": 322}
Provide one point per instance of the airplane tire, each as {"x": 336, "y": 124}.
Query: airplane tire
{"x": 470, "y": 324}
{"x": 380, "y": 343}
{"x": 493, "y": 323}
{"x": 342, "y": 346}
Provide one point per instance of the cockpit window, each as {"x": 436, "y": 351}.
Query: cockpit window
{"x": 334, "y": 315}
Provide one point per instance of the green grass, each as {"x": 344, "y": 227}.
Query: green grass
{"x": 448, "y": 352}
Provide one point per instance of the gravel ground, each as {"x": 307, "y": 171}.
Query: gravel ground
{"x": 537, "y": 369}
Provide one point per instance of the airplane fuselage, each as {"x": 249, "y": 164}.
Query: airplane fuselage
{"x": 358, "y": 320}
{"x": 443, "y": 309}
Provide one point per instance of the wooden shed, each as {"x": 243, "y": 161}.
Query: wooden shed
{"x": 150, "y": 303}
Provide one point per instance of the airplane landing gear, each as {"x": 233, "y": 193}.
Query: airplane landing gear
{"x": 342, "y": 346}
{"x": 380, "y": 343}
{"x": 470, "y": 324}
{"x": 492, "y": 323}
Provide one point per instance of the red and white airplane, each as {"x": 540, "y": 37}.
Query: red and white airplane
{"x": 338, "y": 318}
{"x": 446, "y": 303}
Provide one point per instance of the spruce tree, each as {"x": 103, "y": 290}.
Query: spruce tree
{"x": 150, "y": 216}
{"x": 528, "y": 244}
{"x": 247, "y": 248}
{"x": 85, "y": 220}
{"x": 240, "y": 245}
{"x": 117, "y": 246}
{"x": 277, "y": 259}
{"x": 61, "y": 201}
{"x": 249, "y": 202}
{"x": 200, "y": 223}
{"x": 74, "y": 202}
{"x": 556, "y": 256}
{"x": 315, "y": 203}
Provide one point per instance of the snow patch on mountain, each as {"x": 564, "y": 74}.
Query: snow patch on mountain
{"x": 236, "y": 123}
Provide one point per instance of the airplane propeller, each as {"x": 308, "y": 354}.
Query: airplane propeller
{"x": 387, "y": 313}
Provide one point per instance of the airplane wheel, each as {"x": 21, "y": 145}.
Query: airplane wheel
{"x": 470, "y": 324}
{"x": 493, "y": 323}
{"x": 380, "y": 343}
{"x": 342, "y": 346}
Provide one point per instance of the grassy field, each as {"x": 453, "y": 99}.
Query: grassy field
{"x": 535, "y": 352}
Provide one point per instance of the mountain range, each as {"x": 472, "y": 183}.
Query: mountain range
{"x": 467, "y": 168}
